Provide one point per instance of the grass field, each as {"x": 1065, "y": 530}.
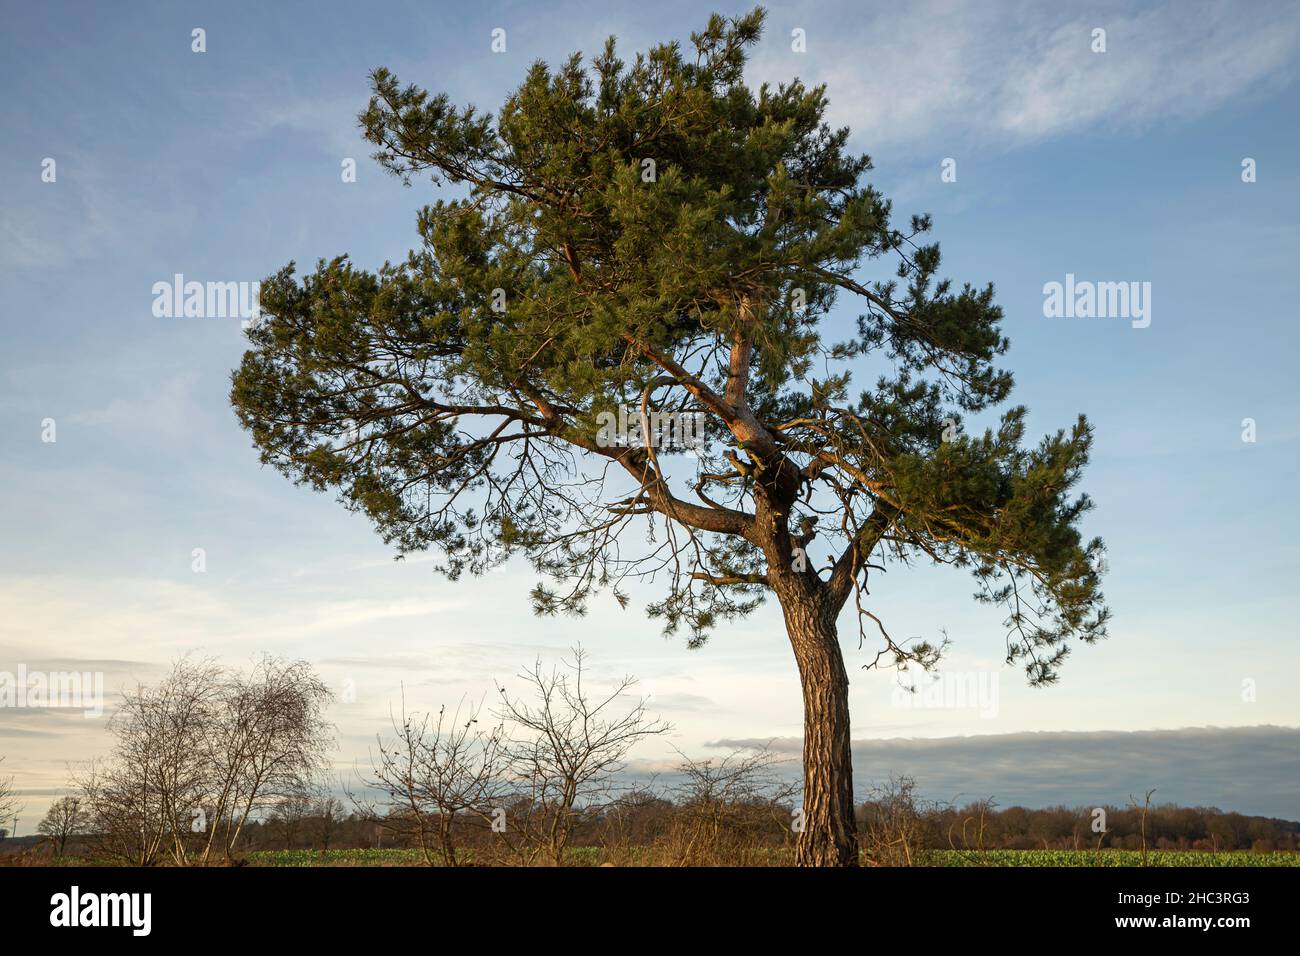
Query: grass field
{"x": 1114, "y": 858}
{"x": 594, "y": 856}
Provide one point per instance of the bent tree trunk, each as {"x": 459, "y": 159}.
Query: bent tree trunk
{"x": 829, "y": 837}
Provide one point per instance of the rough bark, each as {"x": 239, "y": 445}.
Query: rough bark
{"x": 829, "y": 837}
{"x": 810, "y": 608}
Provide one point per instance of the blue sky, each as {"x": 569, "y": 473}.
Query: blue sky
{"x": 1115, "y": 166}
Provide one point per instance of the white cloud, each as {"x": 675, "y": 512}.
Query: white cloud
{"x": 939, "y": 73}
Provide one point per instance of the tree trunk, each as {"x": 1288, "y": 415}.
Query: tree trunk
{"x": 830, "y": 835}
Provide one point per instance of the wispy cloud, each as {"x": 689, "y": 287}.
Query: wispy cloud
{"x": 167, "y": 408}
{"x": 327, "y": 122}
{"x": 952, "y": 74}
{"x": 79, "y": 216}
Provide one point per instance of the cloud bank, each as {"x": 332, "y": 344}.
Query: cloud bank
{"x": 1253, "y": 770}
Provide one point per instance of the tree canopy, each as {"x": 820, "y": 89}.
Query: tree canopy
{"x": 657, "y": 234}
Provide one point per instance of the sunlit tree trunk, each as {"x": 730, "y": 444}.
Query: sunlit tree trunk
{"x": 829, "y": 836}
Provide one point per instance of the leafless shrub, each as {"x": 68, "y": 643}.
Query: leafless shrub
{"x": 631, "y": 822}
{"x": 728, "y": 810}
{"x": 895, "y": 824}
{"x": 967, "y": 830}
{"x": 571, "y": 748}
{"x": 437, "y": 771}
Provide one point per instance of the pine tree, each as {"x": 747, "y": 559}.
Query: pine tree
{"x": 659, "y": 239}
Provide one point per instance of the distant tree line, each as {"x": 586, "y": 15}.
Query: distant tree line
{"x": 724, "y": 810}
{"x": 1168, "y": 827}
{"x": 895, "y": 822}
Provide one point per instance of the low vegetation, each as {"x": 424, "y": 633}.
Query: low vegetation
{"x": 219, "y": 767}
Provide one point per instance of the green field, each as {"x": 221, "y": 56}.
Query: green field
{"x": 594, "y": 856}
{"x": 1114, "y": 858}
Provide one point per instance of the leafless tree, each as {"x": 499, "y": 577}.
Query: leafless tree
{"x": 148, "y": 798}
{"x": 10, "y": 805}
{"x": 268, "y": 742}
{"x": 1144, "y": 809}
{"x": 66, "y": 818}
{"x": 571, "y": 746}
{"x": 288, "y": 817}
{"x": 116, "y": 818}
{"x": 436, "y": 771}
{"x": 327, "y": 814}
{"x": 199, "y": 752}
